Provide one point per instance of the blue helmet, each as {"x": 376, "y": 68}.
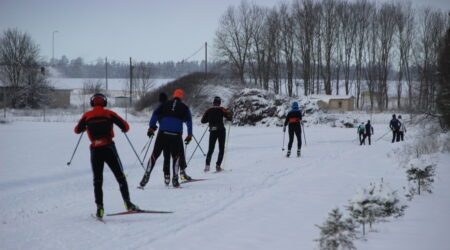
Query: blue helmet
{"x": 295, "y": 105}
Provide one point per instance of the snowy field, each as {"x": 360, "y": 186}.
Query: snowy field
{"x": 266, "y": 201}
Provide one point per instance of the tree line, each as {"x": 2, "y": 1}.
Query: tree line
{"x": 327, "y": 44}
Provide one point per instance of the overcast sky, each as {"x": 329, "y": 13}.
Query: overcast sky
{"x": 150, "y": 30}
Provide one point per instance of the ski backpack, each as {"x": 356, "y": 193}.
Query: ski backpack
{"x": 361, "y": 128}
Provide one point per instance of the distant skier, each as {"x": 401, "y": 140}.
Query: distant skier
{"x": 368, "y": 131}
{"x": 99, "y": 125}
{"x": 214, "y": 117}
{"x": 294, "y": 120}
{"x": 394, "y": 125}
{"x": 171, "y": 116}
{"x": 402, "y": 130}
{"x": 361, "y": 131}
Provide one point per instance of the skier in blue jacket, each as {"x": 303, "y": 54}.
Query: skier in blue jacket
{"x": 294, "y": 120}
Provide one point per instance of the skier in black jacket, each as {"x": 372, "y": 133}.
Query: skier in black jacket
{"x": 368, "y": 132}
{"x": 214, "y": 116}
{"x": 294, "y": 119}
{"x": 394, "y": 125}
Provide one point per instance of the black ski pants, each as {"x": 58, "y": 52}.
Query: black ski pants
{"x": 172, "y": 145}
{"x": 107, "y": 154}
{"x": 395, "y": 135}
{"x": 362, "y": 136}
{"x": 295, "y": 128}
{"x": 216, "y": 135}
{"x": 366, "y": 135}
{"x": 401, "y": 136}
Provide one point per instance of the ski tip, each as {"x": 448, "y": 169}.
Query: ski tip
{"x": 98, "y": 219}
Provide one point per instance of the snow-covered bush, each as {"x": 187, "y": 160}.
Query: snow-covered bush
{"x": 336, "y": 232}
{"x": 374, "y": 203}
{"x": 256, "y": 106}
{"x": 421, "y": 172}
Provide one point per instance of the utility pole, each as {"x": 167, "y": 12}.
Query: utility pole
{"x": 206, "y": 58}
{"x": 106, "y": 74}
{"x": 53, "y": 47}
{"x": 131, "y": 82}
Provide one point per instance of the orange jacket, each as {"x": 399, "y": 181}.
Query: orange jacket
{"x": 99, "y": 125}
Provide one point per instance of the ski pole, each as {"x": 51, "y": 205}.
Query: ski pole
{"x": 142, "y": 165}
{"x": 75, "y": 150}
{"x": 383, "y": 135}
{"x": 226, "y": 145}
{"x": 149, "y": 143}
{"x": 284, "y": 136}
{"x": 198, "y": 143}
{"x": 304, "y": 135}
{"x": 197, "y": 146}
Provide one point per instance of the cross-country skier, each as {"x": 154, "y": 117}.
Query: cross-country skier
{"x": 294, "y": 120}
{"x": 158, "y": 148}
{"x": 368, "y": 131}
{"x": 171, "y": 116}
{"x": 214, "y": 117}
{"x": 361, "y": 129}
{"x": 402, "y": 130}
{"x": 394, "y": 125}
{"x": 99, "y": 125}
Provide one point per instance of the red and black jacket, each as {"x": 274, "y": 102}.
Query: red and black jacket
{"x": 214, "y": 116}
{"x": 99, "y": 125}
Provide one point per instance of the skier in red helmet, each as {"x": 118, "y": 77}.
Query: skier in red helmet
{"x": 98, "y": 123}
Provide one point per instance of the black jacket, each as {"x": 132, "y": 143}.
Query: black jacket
{"x": 214, "y": 116}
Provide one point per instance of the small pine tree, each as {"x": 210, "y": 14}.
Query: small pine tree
{"x": 374, "y": 203}
{"x": 337, "y": 233}
{"x": 423, "y": 178}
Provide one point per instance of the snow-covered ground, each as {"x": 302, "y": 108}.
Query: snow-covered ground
{"x": 266, "y": 201}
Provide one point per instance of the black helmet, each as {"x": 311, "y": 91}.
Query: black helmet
{"x": 393, "y": 116}
{"x": 162, "y": 97}
{"x": 400, "y": 117}
{"x": 217, "y": 101}
{"x": 99, "y": 100}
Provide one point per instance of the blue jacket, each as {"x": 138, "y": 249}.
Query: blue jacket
{"x": 171, "y": 116}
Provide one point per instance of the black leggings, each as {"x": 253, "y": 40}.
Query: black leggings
{"x": 294, "y": 128}
{"x": 109, "y": 155}
{"x": 213, "y": 137}
{"x": 172, "y": 145}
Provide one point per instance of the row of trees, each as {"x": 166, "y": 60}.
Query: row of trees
{"x": 21, "y": 74}
{"x": 325, "y": 42}
{"x": 78, "y": 68}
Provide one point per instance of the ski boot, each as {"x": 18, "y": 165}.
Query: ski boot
{"x": 167, "y": 179}
{"x": 184, "y": 176}
{"x": 206, "y": 168}
{"x": 298, "y": 153}
{"x": 288, "y": 153}
{"x": 131, "y": 207}
{"x": 218, "y": 168}
{"x": 144, "y": 180}
{"x": 175, "y": 182}
{"x": 100, "y": 211}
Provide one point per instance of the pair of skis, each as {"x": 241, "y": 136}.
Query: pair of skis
{"x": 140, "y": 211}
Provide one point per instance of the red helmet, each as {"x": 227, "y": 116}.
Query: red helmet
{"x": 99, "y": 100}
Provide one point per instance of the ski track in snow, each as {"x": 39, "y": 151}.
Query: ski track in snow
{"x": 267, "y": 201}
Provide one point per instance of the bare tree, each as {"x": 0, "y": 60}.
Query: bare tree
{"x": 363, "y": 10}
{"x": 349, "y": 25}
{"x": 143, "y": 80}
{"x": 288, "y": 42}
{"x": 387, "y": 25}
{"x": 405, "y": 32}
{"x": 234, "y": 36}
{"x": 330, "y": 26}
{"x": 20, "y": 70}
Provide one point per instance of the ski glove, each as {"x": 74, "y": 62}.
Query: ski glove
{"x": 188, "y": 139}
{"x": 150, "y": 132}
